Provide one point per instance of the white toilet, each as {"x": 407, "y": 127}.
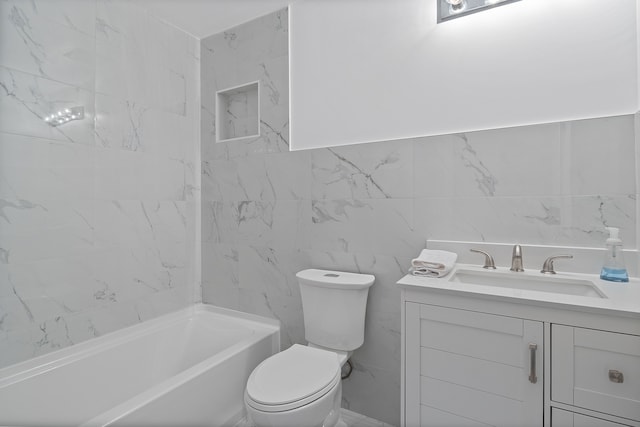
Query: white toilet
{"x": 301, "y": 386}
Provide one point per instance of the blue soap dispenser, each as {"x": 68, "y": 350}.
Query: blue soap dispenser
{"x": 614, "y": 268}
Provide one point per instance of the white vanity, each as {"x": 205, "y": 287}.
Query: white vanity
{"x": 501, "y": 348}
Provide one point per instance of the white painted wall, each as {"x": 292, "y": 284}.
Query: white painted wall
{"x": 372, "y": 70}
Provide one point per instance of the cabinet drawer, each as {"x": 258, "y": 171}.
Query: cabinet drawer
{"x": 562, "y": 418}
{"x": 597, "y": 370}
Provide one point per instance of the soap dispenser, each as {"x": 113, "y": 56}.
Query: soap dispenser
{"x": 614, "y": 268}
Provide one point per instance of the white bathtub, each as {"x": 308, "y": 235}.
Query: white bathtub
{"x": 187, "y": 368}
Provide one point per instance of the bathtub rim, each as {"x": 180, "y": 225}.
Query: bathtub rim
{"x": 37, "y": 365}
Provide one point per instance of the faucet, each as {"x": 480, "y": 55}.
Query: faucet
{"x": 516, "y": 259}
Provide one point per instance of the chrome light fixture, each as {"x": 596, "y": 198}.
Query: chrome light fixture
{"x": 451, "y": 9}
{"x": 63, "y": 116}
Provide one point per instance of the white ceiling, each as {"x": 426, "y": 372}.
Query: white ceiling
{"x": 202, "y": 18}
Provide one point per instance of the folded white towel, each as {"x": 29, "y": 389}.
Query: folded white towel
{"x": 433, "y": 263}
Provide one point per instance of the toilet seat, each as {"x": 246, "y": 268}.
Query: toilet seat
{"x": 292, "y": 378}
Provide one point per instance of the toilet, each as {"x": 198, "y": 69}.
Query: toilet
{"x": 302, "y": 386}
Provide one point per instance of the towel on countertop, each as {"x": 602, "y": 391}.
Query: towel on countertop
{"x": 433, "y": 263}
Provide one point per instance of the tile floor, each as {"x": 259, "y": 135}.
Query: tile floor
{"x": 352, "y": 419}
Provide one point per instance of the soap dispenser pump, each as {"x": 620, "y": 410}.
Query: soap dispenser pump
{"x": 614, "y": 268}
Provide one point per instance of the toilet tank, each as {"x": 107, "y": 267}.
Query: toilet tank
{"x": 334, "y": 305}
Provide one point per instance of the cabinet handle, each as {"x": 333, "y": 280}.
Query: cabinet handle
{"x": 532, "y": 360}
{"x": 615, "y": 376}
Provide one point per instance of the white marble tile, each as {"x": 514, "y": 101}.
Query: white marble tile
{"x": 142, "y": 59}
{"x": 31, "y": 245}
{"x": 274, "y": 79}
{"x": 27, "y": 99}
{"x": 600, "y": 156}
{"x": 591, "y": 214}
{"x": 39, "y": 169}
{"x": 375, "y": 226}
{"x": 131, "y": 175}
{"x": 277, "y": 176}
{"x": 274, "y": 224}
{"x": 548, "y": 220}
{"x": 249, "y": 43}
{"x": 94, "y": 238}
{"x": 120, "y": 124}
{"x": 518, "y": 161}
{"x": 268, "y": 284}
{"x": 353, "y": 419}
{"x": 221, "y": 274}
{"x": 350, "y": 418}
{"x": 54, "y": 40}
{"x": 15, "y": 347}
{"x": 382, "y": 170}
{"x": 373, "y": 392}
{"x": 250, "y": 52}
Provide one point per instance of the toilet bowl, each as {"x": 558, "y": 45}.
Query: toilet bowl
{"x": 302, "y": 386}
{"x": 298, "y": 387}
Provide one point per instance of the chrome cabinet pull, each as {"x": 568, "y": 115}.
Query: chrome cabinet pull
{"x": 615, "y": 376}
{"x": 532, "y": 360}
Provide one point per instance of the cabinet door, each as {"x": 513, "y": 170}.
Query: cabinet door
{"x": 597, "y": 370}
{"x": 562, "y": 418}
{"x": 466, "y": 368}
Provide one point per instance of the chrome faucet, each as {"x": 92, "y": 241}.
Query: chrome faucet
{"x": 516, "y": 259}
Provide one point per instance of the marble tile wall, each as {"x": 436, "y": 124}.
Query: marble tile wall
{"x": 268, "y": 213}
{"x": 97, "y": 217}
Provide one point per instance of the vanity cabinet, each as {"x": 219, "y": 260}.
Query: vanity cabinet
{"x": 466, "y": 368}
{"x": 478, "y": 360}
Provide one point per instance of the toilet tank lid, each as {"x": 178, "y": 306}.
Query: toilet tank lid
{"x": 335, "y": 279}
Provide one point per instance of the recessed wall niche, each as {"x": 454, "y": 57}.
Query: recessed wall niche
{"x": 238, "y": 112}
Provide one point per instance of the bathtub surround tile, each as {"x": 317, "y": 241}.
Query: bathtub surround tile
{"x": 131, "y": 175}
{"x": 221, "y": 273}
{"x": 26, "y": 99}
{"x": 55, "y": 41}
{"x": 97, "y": 223}
{"x": 43, "y": 169}
{"x": 17, "y": 346}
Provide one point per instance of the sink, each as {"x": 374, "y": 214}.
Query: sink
{"x": 542, "y": 283}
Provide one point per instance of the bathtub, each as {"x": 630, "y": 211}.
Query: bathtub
{"x": 187, "y": 368}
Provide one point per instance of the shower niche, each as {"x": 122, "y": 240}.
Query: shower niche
{"x": 238, "y": 112}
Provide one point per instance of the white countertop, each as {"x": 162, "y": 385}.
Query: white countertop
{"x": 621, "y": 298}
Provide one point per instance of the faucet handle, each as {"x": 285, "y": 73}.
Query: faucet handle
{"x": 488, "y": 259}
{"x": 547, "y": 267}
